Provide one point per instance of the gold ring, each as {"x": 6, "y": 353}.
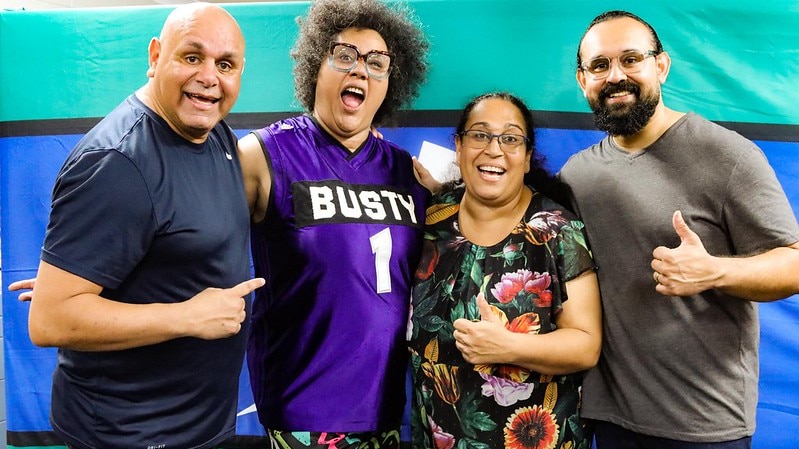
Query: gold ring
{"x": 657, "y": 277}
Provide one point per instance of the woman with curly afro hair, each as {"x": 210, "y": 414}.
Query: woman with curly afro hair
{"x": 337, "y": 217}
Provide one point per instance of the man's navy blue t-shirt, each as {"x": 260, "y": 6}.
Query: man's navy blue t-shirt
{"x": 152, "y": 218}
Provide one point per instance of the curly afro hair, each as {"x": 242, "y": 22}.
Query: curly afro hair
{"x": 396, "y": 24}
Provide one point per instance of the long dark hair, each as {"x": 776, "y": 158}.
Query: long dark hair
{"x": 539, "y": 178}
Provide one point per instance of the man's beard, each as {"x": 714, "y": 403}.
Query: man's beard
{"x": 623, "y": 119}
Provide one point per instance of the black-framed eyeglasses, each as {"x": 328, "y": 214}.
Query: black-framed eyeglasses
{"x": 629, "y": 62}
{"x": 509, "y": 143}
{"x": 344, "y": 57}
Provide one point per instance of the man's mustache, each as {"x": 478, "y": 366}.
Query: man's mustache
{"x": 621, "y": 86}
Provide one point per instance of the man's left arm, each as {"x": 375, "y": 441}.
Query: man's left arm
{"x": 688, "y": 269}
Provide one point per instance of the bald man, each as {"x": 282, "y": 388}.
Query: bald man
{"x": 143, "y": 281}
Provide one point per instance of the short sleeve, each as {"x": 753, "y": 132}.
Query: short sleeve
{"x": 756, "y": 210}
{"x": 574, "y": 255}
{"x": 102, "y": 219}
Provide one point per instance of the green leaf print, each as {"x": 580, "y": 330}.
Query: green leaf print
{"x": 468, "y": 443}
{"x": 471, "y": 419}
{"x": 476, "y": 273}
{"x": 424, "y": 306}
{"x": 457, "y": 312}
{"x": 573, "y": 232}
{"x": 431, "y": 323}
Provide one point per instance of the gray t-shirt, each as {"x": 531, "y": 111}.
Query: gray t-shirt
{"x": 684, "y": 368}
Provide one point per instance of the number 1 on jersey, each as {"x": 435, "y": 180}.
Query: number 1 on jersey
{"x": 381, "y": 248}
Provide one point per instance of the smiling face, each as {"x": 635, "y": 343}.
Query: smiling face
{"x": 195, "y": 70}
{"x": 623, "y": 103}
{"x": 346, "y": 102}
{"x": 492, "y": 176}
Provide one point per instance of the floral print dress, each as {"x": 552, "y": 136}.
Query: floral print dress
{"x": 459, "y": 405}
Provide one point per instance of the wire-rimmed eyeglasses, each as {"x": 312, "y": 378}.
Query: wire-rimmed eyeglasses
{"x": 629, "y": 62}
{"x": 344, "y": 57}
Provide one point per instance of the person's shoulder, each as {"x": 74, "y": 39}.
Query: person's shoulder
{"x": 585, "y": 155}
{"x": 544, "y": 203}
{"x": 450, "y": 193}
{"x": 709, "y": 130}
{"x": 718, "y": 146}
{"x": 387, "y": 146}
{"x": 113, "y": 129}
{"x": 289, "y": 127}
{"x": 444, "y": 205}
{"x": 288, "y": 124}
{"x": 392, "y": 147}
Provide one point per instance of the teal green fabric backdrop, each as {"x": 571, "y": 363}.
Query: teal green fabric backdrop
{"x": 734, "y": 62}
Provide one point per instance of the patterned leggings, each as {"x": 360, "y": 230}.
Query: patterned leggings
{"x": 329, "y": 440}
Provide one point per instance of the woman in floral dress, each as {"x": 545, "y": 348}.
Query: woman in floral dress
{"x": 497, "y": 350}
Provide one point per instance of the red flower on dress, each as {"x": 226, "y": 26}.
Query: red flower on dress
{"x": 526, "y": 323}
{"x": 531, "y": 428}
{"x": 531, "y": 282}
{"x": 537, "y": 283}
{"x": 510, "y": 285}
{"x": 544, "y": 299}
{"x": 428, "y": 262}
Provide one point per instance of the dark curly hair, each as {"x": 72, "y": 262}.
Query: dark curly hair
{"x": 397, "y": 26}
{"x": 619, "y": 14}
{"x": 539, "y": 178}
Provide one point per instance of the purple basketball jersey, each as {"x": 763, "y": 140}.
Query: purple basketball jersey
{"x": 338, "y": 247}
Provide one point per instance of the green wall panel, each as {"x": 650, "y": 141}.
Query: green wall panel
{"x": 732, "y": 60}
